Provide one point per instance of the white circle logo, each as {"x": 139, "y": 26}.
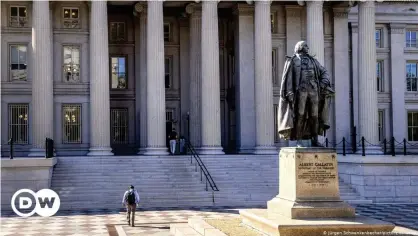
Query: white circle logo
{"x": 47, "y": 202}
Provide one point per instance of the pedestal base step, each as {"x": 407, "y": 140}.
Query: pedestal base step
{"x": 283, "y": 226}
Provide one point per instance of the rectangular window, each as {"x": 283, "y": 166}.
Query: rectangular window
{"x": 71, "y": 17}
{"x": 169, "y": 115}
{"x": 412, "y": 126}
{"x": 411, "y": 76}
{"x": 119, "y": 125}
{"x": 379, "y": 74}
{"x": 168, "y": 71}
{"x": 378, "y": 37}
{"x": 118, "y": 75}
{"x": 18, "y": 123}
{"x": 167, "y": 32}
{"x": 18, "y": 62}
{"x": 411, "y": 38}
{"x": 18, "y": 16}
{"x": 71, "y": 115}
{"x": 71, "y": 63}
{"x": 381, "y": 124}
{"x": 276, "y": 123}
{"x": 117, "y": 31}
{"x": 274, "y": 65}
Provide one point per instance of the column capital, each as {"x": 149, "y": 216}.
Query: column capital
{"x": 397, "y": 28}
{"x": 140, "y": 7}
{"x": 243, "y": 10}
{"x": 366, "y": 4}
{"x": 318, "y": 3}
{"x": 301, "y": 3}
{"x": 341, "y": 12}
{"x": 194, "y": 9}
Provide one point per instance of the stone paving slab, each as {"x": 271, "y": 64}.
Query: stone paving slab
{"x": 156, "y": 222}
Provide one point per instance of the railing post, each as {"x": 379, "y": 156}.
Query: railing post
{"x": 354, "y": 140}
{"x": 326, "y": 142}
{"x": 206, "y": 184}
{"x": 404, "y": 147}
{"x": 11, "y": 147}
{"x": 363, "y": 151}
{"x": 384, "y": 147}
{"x": 343, "y": 146}
{"x": 201, "y": 175}
{"x": 392, "y": 140}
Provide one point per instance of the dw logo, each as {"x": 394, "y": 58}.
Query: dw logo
{"x": 47, "y": 202}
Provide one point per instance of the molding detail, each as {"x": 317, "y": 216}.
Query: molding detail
{"x": 341, "y": 12}
{"x": 397, "y": 30}
{"x": 293, "y": 11}
{"x": 243, "y": 10}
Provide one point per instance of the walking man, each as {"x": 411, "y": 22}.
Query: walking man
{"x": 173, "y": 141}
{"x": 130, "y": 201}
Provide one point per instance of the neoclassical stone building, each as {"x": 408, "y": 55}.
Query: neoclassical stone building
{"x": 115, "y": 76}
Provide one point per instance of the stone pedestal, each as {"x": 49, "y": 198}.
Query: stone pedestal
{"x": 309, "y": 200}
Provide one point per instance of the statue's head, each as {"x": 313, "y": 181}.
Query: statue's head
{"x": 301, "y": 47}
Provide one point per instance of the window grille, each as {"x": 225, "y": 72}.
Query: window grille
{"x": 71, "y": 17}
{"x": 18, "y": 62}
{"x": 411, "y": 39}
{"x": 71, "y": 63}
{"x": 167, "y": 32}
{"x": 411, "y": 76}
{"x": 379, "y": 73}
{"x": 169, "y": 116}
{"x": 378, "y": 38}
{"x": 168, "y": 71}
{"x": 274, "y": 65}
{"x": 412, "y": 126}
{"x": 71, "y": 123}
{"x": 18, "y": 16}
{"x": 18, "y": 123}
{"x": 381, "y": 124}
{"x": 117, "y": 31}
{"x": 119, "y": 125}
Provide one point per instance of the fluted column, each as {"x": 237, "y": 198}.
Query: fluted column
{"x": 195, "y": 19}
{"x": 99, "y": 81}
{"x": 211, "y": 98}
{"x": 263, "y": 80}
{"x": 156, "y": 128}
{"x": 368, "y": 114}
{"x": 141, "y": 8}
{"x": 341, "y": 74}
{"x": 397, "y": 63}
{"x": 315, "y": 29}
{"x": 42, "y": 81}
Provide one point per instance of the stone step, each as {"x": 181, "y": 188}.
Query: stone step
{"x": 182, "y": 230}
{"x": 359, "y": 201}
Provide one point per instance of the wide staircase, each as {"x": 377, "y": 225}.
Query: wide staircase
{"x": 94, "y": 182}
{"x": 91, "y": 182}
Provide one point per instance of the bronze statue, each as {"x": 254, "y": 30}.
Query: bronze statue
{"x": 305, "y": 96}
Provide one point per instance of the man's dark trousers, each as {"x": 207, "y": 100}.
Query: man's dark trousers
{"x": 130, "y": 208}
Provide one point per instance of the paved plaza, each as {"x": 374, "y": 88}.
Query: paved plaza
{"x": 156, "y": 222}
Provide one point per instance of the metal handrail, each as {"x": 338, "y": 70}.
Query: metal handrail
{"x": 203, "y": 169}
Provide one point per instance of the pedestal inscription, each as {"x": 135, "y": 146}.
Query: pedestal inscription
{"x": 316, "y": 176}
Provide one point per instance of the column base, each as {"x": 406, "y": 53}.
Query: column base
{"x": 102, "y": 151}
{"x": 265, "y": 150}
{"x": 37, "y": 152}
{"x": 141, "y": 151}
{"x": 156, "y": 151}
{"x": 218, "y": 150}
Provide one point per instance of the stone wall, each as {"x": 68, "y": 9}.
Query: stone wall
{"x": 383, "y": 179}
{"x": 30, "y": 173}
